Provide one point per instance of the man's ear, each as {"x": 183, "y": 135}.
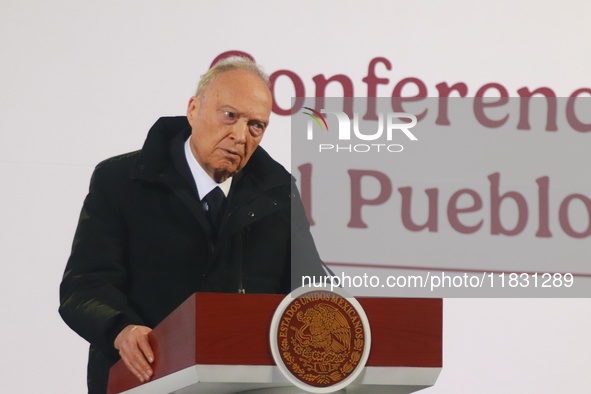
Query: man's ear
{"x": 192, "y": 107}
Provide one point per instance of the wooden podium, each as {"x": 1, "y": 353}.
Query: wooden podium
{"x": 217, "y": 343}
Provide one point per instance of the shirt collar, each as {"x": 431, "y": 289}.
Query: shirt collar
{"x": 204, "y": 182}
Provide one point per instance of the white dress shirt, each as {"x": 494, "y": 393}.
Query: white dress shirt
{"x": 204, "y": 182}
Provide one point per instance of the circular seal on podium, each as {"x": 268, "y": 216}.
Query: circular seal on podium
{"x": 320, "y": 339}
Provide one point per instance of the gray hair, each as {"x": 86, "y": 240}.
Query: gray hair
{"x": 229, "y": 64}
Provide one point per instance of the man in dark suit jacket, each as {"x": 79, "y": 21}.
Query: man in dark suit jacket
{"x": 145, "y": 242}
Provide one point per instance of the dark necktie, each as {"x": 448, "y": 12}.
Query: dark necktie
{"x": 213, "y": 205}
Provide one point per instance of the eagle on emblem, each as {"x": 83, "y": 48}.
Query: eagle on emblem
{"x": 324, "y": 328}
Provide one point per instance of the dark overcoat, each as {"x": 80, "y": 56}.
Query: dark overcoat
{"x": 143, "y": 244}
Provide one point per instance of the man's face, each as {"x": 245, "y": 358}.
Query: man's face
{"x": 228, "y": 120}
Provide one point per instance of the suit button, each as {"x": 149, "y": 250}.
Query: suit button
{"x": 275, "y": 202}
{"x": 251, "y": 214}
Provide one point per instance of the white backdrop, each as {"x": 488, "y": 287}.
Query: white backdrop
{"x": 84, "y": 80}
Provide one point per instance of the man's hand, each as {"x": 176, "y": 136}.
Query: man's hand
{"x": 135, "y": 350}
